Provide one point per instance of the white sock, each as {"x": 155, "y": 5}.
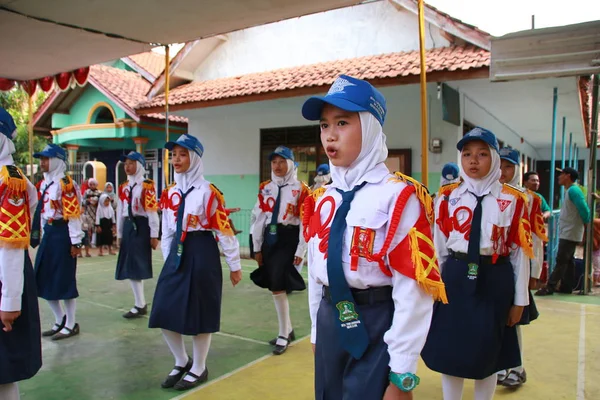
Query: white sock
{"x": 485, "y": 388}
{"x": 138, "y": 294}
{"x": 57, "y": 310}
{"x": 175, "y": 342}
{"x": 283, "y": 316}
{"x": 9, "y": 391}
{"x": 201, "y": 347}
{"x": 519, "y": 369}
{"x": 70, "y": 307}
{"x": 452, "y": 387}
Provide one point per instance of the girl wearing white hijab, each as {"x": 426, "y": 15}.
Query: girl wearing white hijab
{"x": 20, "y": 341}
{"x": 483, "y": 242}
{"x": 187, "y": 300}
{"x": 370, "y": 308}
{"x": 105, "y": 224}
{"x": 278, "y": 242}
{"x": 137, "y": 227}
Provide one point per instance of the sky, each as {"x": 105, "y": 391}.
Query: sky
{"x": 499, "y": 17}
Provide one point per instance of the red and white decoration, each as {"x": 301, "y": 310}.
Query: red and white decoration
{"x": 62, "y": 81}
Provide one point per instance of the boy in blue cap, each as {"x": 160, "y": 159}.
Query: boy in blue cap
{"x": 372, "y": 266}
{"x": 20, "y": 341}
{"x": 58, "y": 217}
{"x": 278, "y": 243}
{"x": 323, "y": 177}
{"x": 138, "y": 225}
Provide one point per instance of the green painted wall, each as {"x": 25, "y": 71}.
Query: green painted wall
{"x": 88, "y": 99}
{"x": 239, "y": 190}
{"x": 434, "y": 180}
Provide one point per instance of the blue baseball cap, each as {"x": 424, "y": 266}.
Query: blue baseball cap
{"x": 450, "y": 171}
{"x": 52, "y": 151}
{"x": 7, "y": 124}
{"x": 135, "y": 156}
{"x": 510, "y": 154}
{"x": 282, "y": 151}
{"x": 479, "y": 134}
{"x": 323, "y": 169}
{"x": 349, "y": 94}
{"x": 189, "y": 142}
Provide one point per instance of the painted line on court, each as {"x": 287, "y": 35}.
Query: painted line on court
{"x": 235, "y": 371}
{"x": 224, "y": 334}
{"x": 581, "y": 357}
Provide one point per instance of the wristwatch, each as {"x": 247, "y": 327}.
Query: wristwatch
{"x": 405, "y": 382}
{"x": 78, "y": 245}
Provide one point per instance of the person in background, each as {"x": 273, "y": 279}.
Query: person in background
{"x": 450, "y": 174}
{"x": 531, "y": 181}
{"x": 105, "y": 225}
{"x": 323, "y": 177}
{"x": 90, "y": 202}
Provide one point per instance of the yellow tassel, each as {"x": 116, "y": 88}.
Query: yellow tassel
{"x": 525, "y": 238}
{"x": 14, "y": 243}
{"x": 420, "y": 191}
{"x": 435, "y": 289}
{"x": 516, "y": 192}
{"x": 14, "y": 184}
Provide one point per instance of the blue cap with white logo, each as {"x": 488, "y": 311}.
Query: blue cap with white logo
{"x": 189, "y": 142}
{"x": 52, "y": 151}
{"x": 323, "y": 169}
{"x": 450, "y": 171}
{"x": 135, "y": 156}
{"x": 349, "y": 94}
{"x": 282, "y": 151}
{"x": 7, "y": 124}
{"x": 510, "y": 154}
{"x": 479, "y": 134}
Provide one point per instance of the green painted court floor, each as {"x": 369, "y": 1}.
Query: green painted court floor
{"x": 114, "y": 358}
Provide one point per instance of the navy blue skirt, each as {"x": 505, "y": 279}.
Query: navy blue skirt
{"x": 21, "y": 348}
{"x": 135, "y": 254}
{"x": 187, "y": 300}
{"x": 278, "y": 272}
{"x": 55, "y": 268}
{"x": 337, "y": 374}
{"x": 469, "y": 337}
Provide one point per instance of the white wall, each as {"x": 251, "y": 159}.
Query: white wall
{"x": 231, "y": 134}
{"x": 367, "y": 29}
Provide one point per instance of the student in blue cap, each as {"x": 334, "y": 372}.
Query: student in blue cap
{"x": 483, "y": 241}
{"x": 57, "y": 221}
{"x": 278, "y": 244}
{"x": 510, "y": 167}
{"x": 450, "y": 174}
{"x": 137, "y": 227}
{"x": 20, "y": 341}
{"x": 187, "y": 300}
{"x": 323, "y": 177}
{"x": 372, "y": 267}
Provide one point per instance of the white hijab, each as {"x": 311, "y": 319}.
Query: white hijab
{"x": 138, "y": 177}
{"x": 56, "y": 170}
{"x": 321, "y": 180}
{"x": 194, "y": 176}
{"x": 105, "y": 211}
{"x": 290, "y": 176}
{"x": 480, "y": 187}
{"x": 515, "y": 181}
{"x": 7, "y": 148}
{"x": 373, "y": 153}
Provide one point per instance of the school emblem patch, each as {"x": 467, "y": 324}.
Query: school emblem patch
{"x": 347, "y": 311}
{"x": 473, "y": 271}
{"x": 454, "y": 201}
{"x": 295, "y": 193}
{"x": 503, "y": 204}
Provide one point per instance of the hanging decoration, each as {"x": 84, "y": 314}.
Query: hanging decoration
{"x": 63, "y": 81}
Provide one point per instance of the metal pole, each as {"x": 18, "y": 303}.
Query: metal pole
{"x": 424, "y": 141}
{"x": 552, "y": 177}
{"x": 571, "y": 149}
{"x": 30, "y": 134}
{"x": 575, "y": 156}
{"x": 591, "y": 185}
{"x": 563, "y": 161}
{"x": 166, "y": 165}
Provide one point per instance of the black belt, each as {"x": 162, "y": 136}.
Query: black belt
{"x": 136, "y": 218}
{"x": 281, "y": 226}
{"x": 57, "y": 222}
{"x": 483, "y": 260}
{"x": 198, "y": 233}
{"x": 366, "y": 296}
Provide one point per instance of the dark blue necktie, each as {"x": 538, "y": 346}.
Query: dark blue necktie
{"x": 271, "y": 238}
{"x": 37, "y": 220}
{"x": 129, "y": 209}
{"x": 353, "y": 334}
{"x": 179, "y": 229}
{"x": 475, "y": 241}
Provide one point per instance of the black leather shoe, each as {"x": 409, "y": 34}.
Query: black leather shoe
{"x": 139, "y": 313}
{"x": 72, "y": 332}
{"x": 171, "y": 380}
{"x": 55, "y": 328}
{"x": 291, "y": 338}
{"x": 545, "y": 291}
{"x": 187, "y": 385}
{"x": 279, "y": 349}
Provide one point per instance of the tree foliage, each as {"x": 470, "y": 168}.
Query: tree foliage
{"x": 16, "y": 102}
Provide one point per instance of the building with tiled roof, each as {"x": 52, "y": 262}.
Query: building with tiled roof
{"x": 98, "y": 121}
